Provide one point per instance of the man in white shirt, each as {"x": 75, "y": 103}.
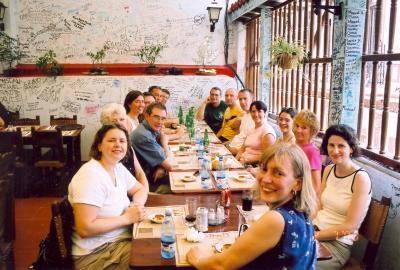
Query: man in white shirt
{"x": 245, "y": 97}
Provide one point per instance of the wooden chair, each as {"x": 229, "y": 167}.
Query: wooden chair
{"x": 26, "y": 121}
{"x": 55, "y": 249}
{"x": 44, "y": 140}
{"x": 63, "y": 120}
{"x": 372, "y": 230}
{"x": 9, "y": 139}
{"x": 13, "y": 115}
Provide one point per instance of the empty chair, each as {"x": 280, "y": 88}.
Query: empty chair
{"x": 54, "y": 159}
{"x": 11, "y": 139}
{"x": 372, "y": 230}
{"x": 63, "y": 120}
{"x": 13, "y": 115}
{"x": 26, "y": 121}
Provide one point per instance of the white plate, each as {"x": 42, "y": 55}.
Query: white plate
{"x": 242, "y": 178}
{"x": 156, "y": 218}
{"x": 219, "y": 247}
{"x": 188, "y": 178}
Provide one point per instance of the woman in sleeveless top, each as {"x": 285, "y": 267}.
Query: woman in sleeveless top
{"x": 285, "y": 122}
{"x": 134, "y": 106}
{"x": 283, "y": 237}
{"x": 345, "y": 197}
{"x": 259, "y": 138}
{"x": 114, "y": 113}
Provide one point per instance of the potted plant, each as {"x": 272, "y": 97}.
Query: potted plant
{"x": 48, "y": 64}
{"x": 97, "y": 59}
{"x": 286, "y": 54}
{"x": 149, "y": 53}
{"x": 10, "y": 52}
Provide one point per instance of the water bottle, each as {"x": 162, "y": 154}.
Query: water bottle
{"x": 168, "y": 236}
{"x": 205, "y": 174}
{"x": 220, "y": 173}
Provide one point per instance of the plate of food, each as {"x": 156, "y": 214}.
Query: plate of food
{"x": 242, "y": 177}
{"x": 222, "y": 246}
{"x": 188, "y": 178}
{"x": 156, "y": 218}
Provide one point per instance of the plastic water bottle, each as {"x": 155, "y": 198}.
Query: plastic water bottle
{"x": 220, "y": 173}
{"x": 168, "y": 236}
{"x": 205, "y": 174}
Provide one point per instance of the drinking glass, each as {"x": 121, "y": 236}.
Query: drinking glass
{"x": 247, "y": 200}
{"x": 190, "y": 218}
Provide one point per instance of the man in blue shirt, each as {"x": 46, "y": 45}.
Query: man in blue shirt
{"x": 151, "y": 146}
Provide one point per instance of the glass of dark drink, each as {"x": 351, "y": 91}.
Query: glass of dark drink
{"x": 247, "y": 200}
{"x": 191, "y": 204}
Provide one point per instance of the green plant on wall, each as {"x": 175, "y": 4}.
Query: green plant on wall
{"x": 149, "y": 53}
{"x": 287, "y": 54}
{"x": 97, "y": 59}
{"x": 48, "y": 65}
{"x": 10, "y": 52}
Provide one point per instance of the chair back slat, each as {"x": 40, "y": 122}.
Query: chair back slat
{"x": 374, "y": 223}
{"x": 10, "y": 139}
{"x": 63, "y": 120}
{"x": 26, "y": 121}
{"x": 47, "y": 139}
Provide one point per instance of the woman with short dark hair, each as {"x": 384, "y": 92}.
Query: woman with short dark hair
{"x": 285, "y": 123}
{"x": 134, "y": 106}
{"x": 259, "y": 138}
{"x": 345, "y": 197}
{"x": 103, "y": 212}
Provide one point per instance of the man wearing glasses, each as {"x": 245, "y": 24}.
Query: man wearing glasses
{"x": 151, "y": 147}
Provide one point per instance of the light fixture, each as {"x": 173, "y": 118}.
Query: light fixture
{"x": 335, "y": 10}
{"x": 213, "y": 13}
{"x": 2, "y": 12}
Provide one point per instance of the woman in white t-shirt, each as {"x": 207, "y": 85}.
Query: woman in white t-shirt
{"x": 99, "y": 194}
{"x": 345, "y": 196}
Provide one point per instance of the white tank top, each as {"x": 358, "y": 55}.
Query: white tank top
{"x": 335, "y": 200}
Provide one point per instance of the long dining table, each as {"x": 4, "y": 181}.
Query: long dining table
{"x": 145, "y": 252}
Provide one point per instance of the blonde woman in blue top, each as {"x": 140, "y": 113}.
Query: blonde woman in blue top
{"x": 283, "y": 237}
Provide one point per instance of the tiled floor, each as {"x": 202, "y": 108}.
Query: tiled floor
{"x": 32, "y": 217}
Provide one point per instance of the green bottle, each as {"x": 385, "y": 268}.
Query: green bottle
{"x": 206, "y": 140}
{"x": 180, "y": 115}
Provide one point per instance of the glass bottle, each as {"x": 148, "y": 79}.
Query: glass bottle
{"x": 206, "y": 140}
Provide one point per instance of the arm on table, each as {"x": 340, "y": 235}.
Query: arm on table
{"x": 255, "y": 241}
{"x": 201, "y": 110}
{"x": 139, "y": 194}
{"x": 87, "y": 222}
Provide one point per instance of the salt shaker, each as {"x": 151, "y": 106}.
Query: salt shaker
{"x": 220, "y": 214}
{"x": 211, "y": 215}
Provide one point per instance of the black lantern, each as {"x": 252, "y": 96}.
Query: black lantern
{"x": 2, "y": 12}
{"x": 213, "y": 13}
{"x": 335, "y": 10}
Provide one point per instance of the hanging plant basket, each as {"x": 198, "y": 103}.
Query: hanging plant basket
{"x": 288, "y": 62}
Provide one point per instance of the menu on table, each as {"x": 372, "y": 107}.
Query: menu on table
{"x": 149, "y": 229}
{"x": 207, "y": 245}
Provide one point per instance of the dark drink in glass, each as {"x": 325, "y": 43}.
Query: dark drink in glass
{"x": 247, "y": 204}
{"x": 190, "y": 218}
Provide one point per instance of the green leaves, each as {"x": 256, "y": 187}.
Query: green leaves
{"x": 283, "y": 51}
{"x": 10, "y": 49}
{"x": 97, "y": 57}
{"x": 149, "y": 53}
{"x": 48, "y": 64}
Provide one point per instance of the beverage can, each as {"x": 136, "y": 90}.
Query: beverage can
{"x": 226, "y": 197}
{"x": 202, "y": 219}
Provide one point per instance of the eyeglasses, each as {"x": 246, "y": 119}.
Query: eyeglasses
{"x": 158, "y": 118}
